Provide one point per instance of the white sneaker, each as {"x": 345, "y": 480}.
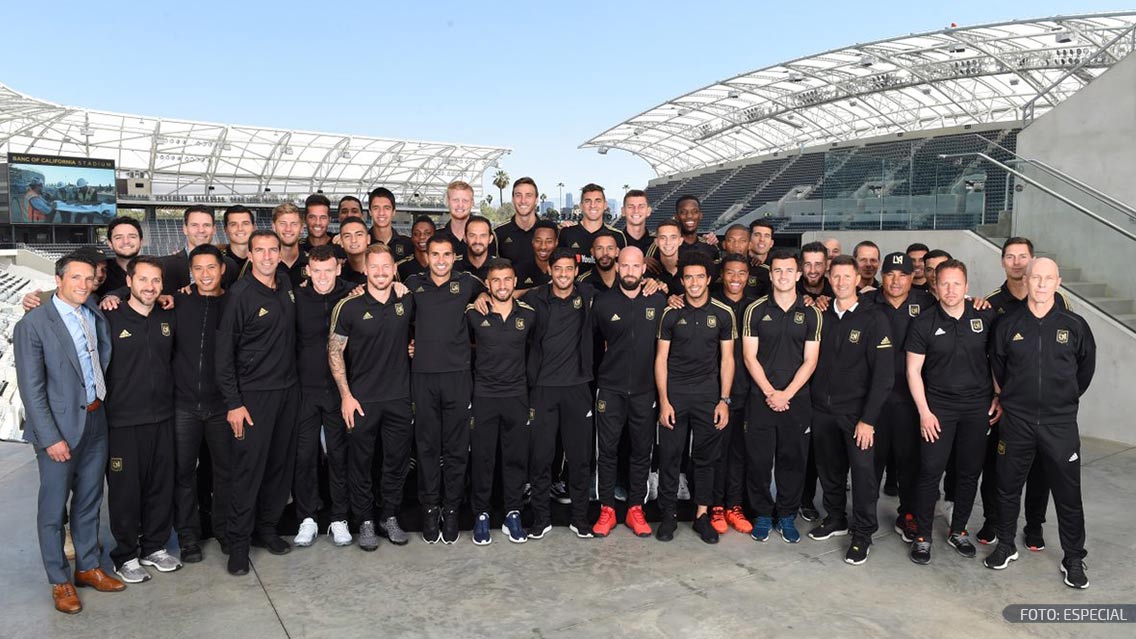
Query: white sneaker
{"x": 652, "y": 486}
{"x": 132, "y": 572}
{"x": 162, "y": 560}
{"x": 340, "y": 535}
{"x": 307, "y": 533}
{"x": 683, "y": 488}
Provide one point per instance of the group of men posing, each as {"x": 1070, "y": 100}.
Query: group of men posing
{"x": 461, "y": 341}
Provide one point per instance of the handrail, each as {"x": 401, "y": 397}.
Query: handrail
{"x": 1028, "y": 107}
{"x": 1028, "y": 180}
{"x": 1068, "y": 179}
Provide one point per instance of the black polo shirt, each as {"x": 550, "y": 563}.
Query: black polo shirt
{"x": 560, "y": 344}
{"x": 515, "y": 243}
{"x": 441, "y": 335}
{"x": 410, "y": 266}
{"x": 238, "y": 262}
{"x": 593, "y": 278}
{"x": 579, "y": 240}
{"x": 629, "y": 326}
{"x": 140, "y": 377}
{"x": 313, "y": 322}
{"x": 502, "y": 343}
{"x": 695, "y": 334}
{"x": 480, "y": 272}
{"x": 400, "y": 246}
{"x": 529, "y": 275}
{"x": 956, "y": 371}
{"x": 781, "y": 336}
{"x": 378, "y": 333}
{"x": 855, "y": 372}
{"x": 256, "y": 341}
{"x": 740, "y": 388}
{"x": 348, "y": 274}
{"x": 825, "y": 288}
{"x": 340, "y": 254}
{"x": 673, "y": 281}
{"x": 115, "y": 277}
{"x": 900, "y": 319}
{"x": 295, "y": 273}
{"x": 645, "y": 243}
{"x": 1002, "y": 302}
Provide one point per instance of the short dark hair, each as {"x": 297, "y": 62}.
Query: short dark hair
{"x": 74, "y": 256}
{"x": 439, "y": 238}
{"x": 761, "y": 223}
{"x": 321, "y": 253}
{"x": 935, "y": 254}
{"x": 636, "y": 193}
{"x": 479, "y": 218}
{"x": 525, "y": 180}
{"x": 591, "y": 187}
{"x": 814, "y": 247}
{"x": 696, "y": 258}
{"x": 132, "y": 265}
{"x": 737, "y": 227}
{"x": 424, "y": 219}
{"x": 316, "y": 199}
{"x": 354, "y": 219}
{"x": 949, "y": 264}
{"x": 843, "y": 259}
{"x": 670, "y": 221}
{"x": 237, "y": 209}
{"x": 561, "y": 253}
{"x": 784, "y": 254}
{"x": 916, "y": 246}
{"x": 207, "y": 249}
{"x": 734, "y": 257}
{"x": 381, "y": 191}
{"x": 263, "y": 233}
{"x": 348, "y": 198}
{"x": 1017, "y": 240}
{"x": 685, "y": 198}
{"x": 196, "y": 208}
{"x": 604, "y": 232}
{"x": 123, "y": 219}
{"x": 499, "y": 264}
{"x": 546, "y": 224}
{"x": 865, "y": 244}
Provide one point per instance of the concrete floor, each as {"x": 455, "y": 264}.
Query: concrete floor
{"x": 565, "y": 587}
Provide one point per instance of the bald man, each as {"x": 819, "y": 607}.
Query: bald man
{"x": 832, "y": 245}
{"x": 1043, "y": 357}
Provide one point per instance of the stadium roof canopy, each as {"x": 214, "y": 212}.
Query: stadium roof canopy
{"x": 185, "y": 158}
{"x": 956, "y": 76}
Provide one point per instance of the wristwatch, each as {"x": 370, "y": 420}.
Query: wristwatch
{"x": 724, "y": 400}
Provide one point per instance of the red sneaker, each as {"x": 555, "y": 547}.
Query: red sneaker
{"x": 737, "y": 518}
{"x": 605, "y": 523}
{"x": 718, "y": 520}
{"x": 637, "y": 522}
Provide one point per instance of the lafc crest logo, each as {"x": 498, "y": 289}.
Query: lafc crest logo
{"x": 854, "y": 336}
{"x": 519, "y": 323}
{"x": 1062, "y": 336}
{"x": 650, "y": 314}
{"x": 399, "y": 310}
{"x": 577, "y": 303}
{"x": 116, "y": 464}
{"x": 601, "y": 406}
{"x": 712, "y": 321}
{"x": 455, "y": 287}
{"x": 976, "y": 325}
{"x": 165, "y": 329}
{"x": 532, "y": 414}
{"x": 798, "y": 318}
{"x": 913, "y": 310}
{"x": 752, "y": 282}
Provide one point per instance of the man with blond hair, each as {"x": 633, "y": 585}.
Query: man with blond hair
{"x": 459, "y": 202}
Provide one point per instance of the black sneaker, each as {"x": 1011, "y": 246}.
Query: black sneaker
{"x": 808, "y": 513}
{"x": 430, "y": 532}
{"x": 583, "y": 531}
{"x": 960, "y": 541}
{"x": 920, "y": 551}
{"x": 1033, "y": 538}
{"x": 272, "y": 543}
{"x": 559, "y": 492}
{"x": 1074, "y": 572}
{"x": 450, "y": 526}
{"x": 858, "y": 551}
{"x": 828, "y": 529}
{"x": 239, "y": 563}
{"x": 540, "y": 528}
{"x": 1001, "y": 557}
{"x": 667, "y": 527}
{"x": 192, "y": 554}
{"x": 987, "y": 534}
{"x": 905, "y": 527}
{"x": 705, "y": 530}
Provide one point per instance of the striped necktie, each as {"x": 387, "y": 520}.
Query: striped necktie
{"x": 93, "y": 351}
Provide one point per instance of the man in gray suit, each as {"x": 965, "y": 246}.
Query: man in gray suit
{"x": 62, "y": 351}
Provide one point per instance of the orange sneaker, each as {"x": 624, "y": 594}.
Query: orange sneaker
{"x": 736, "y": 518}
{"x": 718, "y": 520}
{"x": 637, "y": 522}
{"x": 605, "y": 523}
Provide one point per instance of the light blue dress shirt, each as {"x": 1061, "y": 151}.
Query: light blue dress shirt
{"x": 79, "y": 337}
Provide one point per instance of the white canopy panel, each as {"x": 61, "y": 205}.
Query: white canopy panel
{"x": 983, "y": 74}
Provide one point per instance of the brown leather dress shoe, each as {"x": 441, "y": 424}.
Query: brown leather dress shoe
{"x": 66, "y": 599}
{"x": 99, "y": 580}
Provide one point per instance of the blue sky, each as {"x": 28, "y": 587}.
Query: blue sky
{"x": 536, "y": 77}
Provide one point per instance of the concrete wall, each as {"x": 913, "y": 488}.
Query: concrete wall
{"x": 1107, "y": 407}
{"x": 1090, "y": 136}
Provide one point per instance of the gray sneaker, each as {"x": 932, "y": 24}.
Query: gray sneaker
{"x": 394, "y": 533}
{"x": 162, "y": 560}
{"x": 368, "y": 540}
{"x": 132, "y": 572}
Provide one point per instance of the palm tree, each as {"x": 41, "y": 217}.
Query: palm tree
{"x": 560, "y": 203}
{"x": 500, "y": 180}
{"x": 626, "y": 188}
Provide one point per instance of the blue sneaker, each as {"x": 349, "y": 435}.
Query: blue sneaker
{"x": 788, "y": 527}
{"x": 513, "y": 528}
{"x": 481, "y": 530}
{"x": 761, "y": 528}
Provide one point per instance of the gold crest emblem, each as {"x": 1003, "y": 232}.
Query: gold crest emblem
{"x": 398, "y": 309}
{"x": 165, "y": 329}
{"x": 455, "y": 287}
{"x": 712, "y": 321}
{"x": 1001, "y": 448}
{"x": 650, "y": 314}
{"x": 116, "y": 464}
{"x": 532, "y": 414}
{"x": 976, "y": 325}
{"x": 519, "y": 323}
{"x": 913, "y": 310}
{"x": 854, "y": 336}
{"x": 577, "y": 303}
{"x": 752, "y": 282}
{"x": 601, "y": 405}
{"x": 798, "y": 318}
{"x": 1062, "y": 336}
